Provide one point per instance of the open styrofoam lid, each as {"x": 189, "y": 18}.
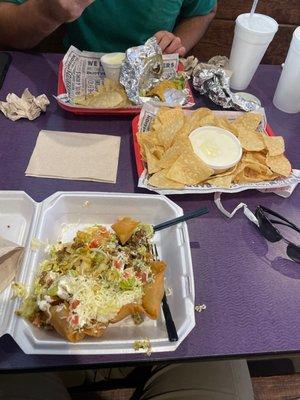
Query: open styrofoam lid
{"x": 22, "y": 219}
{"x": 16, "y": 217}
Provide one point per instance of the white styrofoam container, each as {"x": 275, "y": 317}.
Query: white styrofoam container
{"x": 58, "y": 218}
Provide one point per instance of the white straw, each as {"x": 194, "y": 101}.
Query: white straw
{"x": 254, "y": 5}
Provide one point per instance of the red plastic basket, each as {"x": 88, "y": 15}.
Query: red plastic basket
{"x": 61, "y": 89}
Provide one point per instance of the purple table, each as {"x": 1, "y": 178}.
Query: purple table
{"x": 252, "y": 292}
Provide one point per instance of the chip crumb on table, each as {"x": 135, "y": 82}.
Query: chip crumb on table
{"x": 200, "y": 307}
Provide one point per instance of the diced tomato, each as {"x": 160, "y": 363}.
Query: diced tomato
{"x": 118, "y": 264}
{"x": 126, "y": 275}
{"x": 74, "y": 304}
{"x": 75, "y": 320}
{"x": 94, "y": 243}
{"x": 37, "y": 321}
{"x": 142, "y": 276}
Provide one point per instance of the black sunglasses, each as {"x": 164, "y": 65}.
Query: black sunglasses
{"x": 272, "y": 234}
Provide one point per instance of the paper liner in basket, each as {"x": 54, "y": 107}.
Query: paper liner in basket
{"x": 82, "y": 73}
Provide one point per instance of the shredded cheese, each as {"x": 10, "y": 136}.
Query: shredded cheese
{"x": 96, "y": 300}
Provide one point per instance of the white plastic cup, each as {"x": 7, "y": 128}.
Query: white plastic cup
{"x": 112, "y": 68}
{"x": 287, "y": 95}
{"x": 252, "y": 37}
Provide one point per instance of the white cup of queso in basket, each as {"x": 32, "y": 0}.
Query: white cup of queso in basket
{"x": 112, "y": 63}
{"x": 216, "y": 147}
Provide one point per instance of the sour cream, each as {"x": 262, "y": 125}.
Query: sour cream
{"x": 113, "y": 58}
{"x": 217, "y": 147}
{"x": 112, "y": 63}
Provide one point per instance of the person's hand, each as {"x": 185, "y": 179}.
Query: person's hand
{"x": 169, "y": 43}
{"x": 65, "y": 10}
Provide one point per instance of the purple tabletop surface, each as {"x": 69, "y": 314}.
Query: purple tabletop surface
{"x": 250, "y": 288}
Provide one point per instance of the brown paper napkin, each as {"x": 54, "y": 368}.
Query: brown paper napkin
{"x": 9, "y": 261}
{"x": 77, "y": 156}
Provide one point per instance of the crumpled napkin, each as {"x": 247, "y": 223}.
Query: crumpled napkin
{"x": 26, "y": 106}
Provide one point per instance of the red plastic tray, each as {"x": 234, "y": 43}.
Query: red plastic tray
{"x": 137, "y": 150}
{"x": 61, "y": 89}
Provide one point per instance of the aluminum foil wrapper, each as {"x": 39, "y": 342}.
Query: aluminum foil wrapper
{"x": 213, "y": 81}
{"x": 176, "y": 97}
{"x": 141, "y": 69}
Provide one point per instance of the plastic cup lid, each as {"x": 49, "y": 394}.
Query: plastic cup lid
{"x": 260, "y": 23}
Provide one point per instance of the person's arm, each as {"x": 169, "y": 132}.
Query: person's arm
{"x": 191, "y": 30}
{"x": 24, "y": 26}
{"x": 186, "y": 34}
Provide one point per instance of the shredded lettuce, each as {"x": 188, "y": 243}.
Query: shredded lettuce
{"x": 94, "y": 275}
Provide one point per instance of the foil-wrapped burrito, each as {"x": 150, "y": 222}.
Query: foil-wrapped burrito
{"x": 213, "y": 79}
{"x": 141, "y": 69}
{"x": 144, "y": 68}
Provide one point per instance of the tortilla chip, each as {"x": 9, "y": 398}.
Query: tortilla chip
{"x": 222, "y": 122}
{"x": 252, "y": 172}
{"x": 172, "y": 123}
{"x": 59, "y": 321}
{"x": 152, "y": 162}
{"x": 147, "y": 140}
{"x": 274, "y": 144}
{"x": 125, "y": 311}
{"x": 158, "y": 152}
{"x": 251, "y": 140}
{"x": 153, "y": 292}
{"x": 171, "y": 155}
{"x": 166, "y": 116}
{"x": 279, "y": 164}
{"x": 254, "y": 157}
{"x": 249, "y": 121}
{"x": 124, "y": 228}
{"x": 229, "y": 171}
{"x": 221, "y": 181}
{"x": 110, "y": 94}
{"x": 184, "y": 132}
{"x": 189, "y": 169}
{"x": 159, "y": 89}
{"x": 201, "y": 116}
{"x": 96, "y": 331}
{"x": 160, "y": 180}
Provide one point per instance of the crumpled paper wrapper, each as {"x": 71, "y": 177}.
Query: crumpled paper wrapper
{"x": 10, "y": 254}
{"x": 212, "y": 79}
{"x": 26, "y": 106}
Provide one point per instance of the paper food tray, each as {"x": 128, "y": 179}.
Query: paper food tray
{"x": 147, "y": 115}
{"x": 58, "y": 218}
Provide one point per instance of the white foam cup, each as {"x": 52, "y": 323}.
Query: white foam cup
{"x": 252, "y": 37}
{"x": 287, "y": 95}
